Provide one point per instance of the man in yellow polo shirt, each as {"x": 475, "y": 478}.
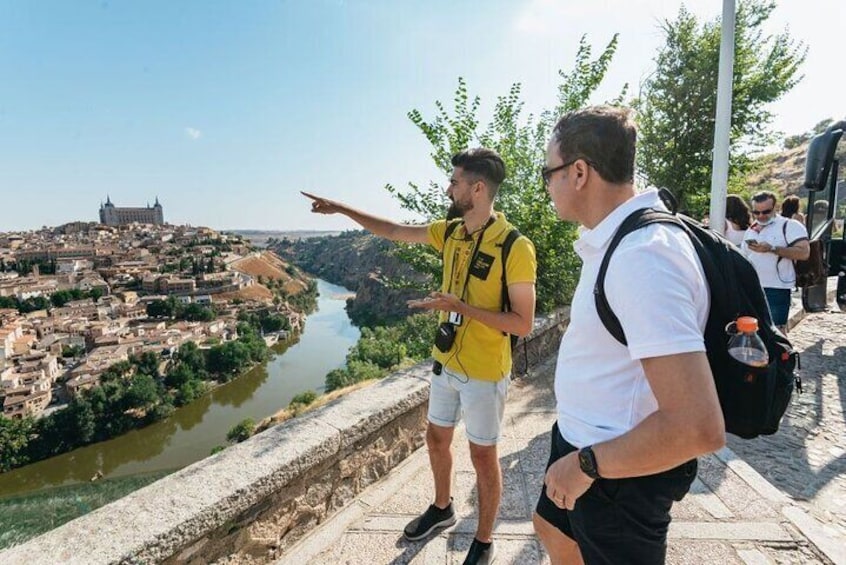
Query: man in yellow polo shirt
{"x": 472, "y": 350}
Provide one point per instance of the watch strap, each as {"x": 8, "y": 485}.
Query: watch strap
{"x": 587, "y": 462}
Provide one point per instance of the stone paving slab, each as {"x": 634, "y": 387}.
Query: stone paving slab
{"x": 733, "y": 514}
{"x": 748, "y": 528}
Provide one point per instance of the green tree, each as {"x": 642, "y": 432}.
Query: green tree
{"x": 180, "y": 375}
{"x": 380, "y": 346}
{"x": 160, "y": 309}
{"x": 356, "y": 371}
{"x": 83, "y": 421}
{"x": 60, "y": 298}
{"x": 226, "y": 359}
{"x": 14, "y": 438}
{"x": 242, "y": 431}
{"x": 304, "y": 398}
{"x": 417, "y": 333}
{"x": 191, "y": 355}
{"x": 274, "y": 323}
{"x": 197, "y": 313}
{"x": 72, "y": 351}
{"x": 521, "y": 141}
{"x": 34, "y": 303}
{"x": 677, "y": 106}
{"x": 147, "y": 363}
{"x": 337, "y": 379}
{"x": 188, "y": 391}
{"x": 142, "y": 393}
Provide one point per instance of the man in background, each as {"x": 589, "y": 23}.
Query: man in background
{"x": 771, "y": 244}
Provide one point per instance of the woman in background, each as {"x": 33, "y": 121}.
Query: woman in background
{"x": 737, "y": 219}
{"x": 790, "y": 209}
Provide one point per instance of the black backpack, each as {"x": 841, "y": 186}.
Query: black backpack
{"x": 506, "y": 244}
{"x": 753, "y": 400}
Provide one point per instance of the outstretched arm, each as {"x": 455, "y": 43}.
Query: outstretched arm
{"x": 374, "y": 224}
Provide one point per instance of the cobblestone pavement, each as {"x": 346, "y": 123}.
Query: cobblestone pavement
{"x": 732, "y": 515}
{"x": 806, "y": 459}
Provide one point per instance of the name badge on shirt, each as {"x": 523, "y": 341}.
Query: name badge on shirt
{"x": 481, "y": 267}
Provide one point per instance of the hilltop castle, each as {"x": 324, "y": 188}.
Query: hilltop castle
{"x": 111, "y": 215}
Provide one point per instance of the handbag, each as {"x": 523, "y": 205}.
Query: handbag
{"x": 811, "y": 271}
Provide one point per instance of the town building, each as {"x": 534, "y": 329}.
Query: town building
{"x": 112, "y": 215}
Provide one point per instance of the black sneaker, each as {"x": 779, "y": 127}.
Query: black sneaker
{"x": 480, "y": 554}
{"x": 429, "y": 521}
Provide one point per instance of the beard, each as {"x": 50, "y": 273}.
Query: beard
{"x": 458, "y": 209}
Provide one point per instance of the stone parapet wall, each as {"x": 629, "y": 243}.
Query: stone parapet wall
{"x": 541, "y": 343}
{"x": 252, "y": 501}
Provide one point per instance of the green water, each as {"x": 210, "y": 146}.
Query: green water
{"x": 185, "y": 437}
{"x": 26, "y": 516}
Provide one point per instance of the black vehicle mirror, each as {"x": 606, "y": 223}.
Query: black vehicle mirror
{"x": 821, "y": 156}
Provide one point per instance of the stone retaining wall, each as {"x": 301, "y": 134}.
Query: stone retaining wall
{"x": 250, "y": 502}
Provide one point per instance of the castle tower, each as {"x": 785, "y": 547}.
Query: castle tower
{"x": 112, "y": 215}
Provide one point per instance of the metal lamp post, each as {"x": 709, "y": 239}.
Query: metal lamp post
{"x": 722, "y": 122}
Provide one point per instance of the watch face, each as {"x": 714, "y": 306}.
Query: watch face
{"x": 588, "y": 463}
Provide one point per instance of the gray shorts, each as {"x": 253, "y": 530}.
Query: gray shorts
{"x": 481, "y": 404}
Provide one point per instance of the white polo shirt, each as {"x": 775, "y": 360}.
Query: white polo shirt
{"x": 656, "y": 287}
{"x": 774, "y": 271}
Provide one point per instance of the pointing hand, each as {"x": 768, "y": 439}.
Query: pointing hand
{"x": 322, "y": 205}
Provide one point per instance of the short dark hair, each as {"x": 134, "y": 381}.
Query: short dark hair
{"x": 604, "y": 136}
{"x": 483, "y": 162}
{"x": 763, "y": 196}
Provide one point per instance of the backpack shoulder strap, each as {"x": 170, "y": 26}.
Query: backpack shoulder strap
{"x": 634, "y": 221}
{"x": 778, "y": 261}
{"x": 505, "y": 301}
{"x": 450, "y": 227}
{"x": 506, "y": 249}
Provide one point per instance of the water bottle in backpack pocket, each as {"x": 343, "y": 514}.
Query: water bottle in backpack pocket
{"x": 744, "y": 345}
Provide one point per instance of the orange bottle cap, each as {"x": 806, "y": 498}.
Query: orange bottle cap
{"x": 747, "y": 324}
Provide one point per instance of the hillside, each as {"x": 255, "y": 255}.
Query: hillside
{"x": 269, "y": 268}
{"x": 363, "y": 263}
{"x": 260, "y": 238}
{"x": 784, "y": 171}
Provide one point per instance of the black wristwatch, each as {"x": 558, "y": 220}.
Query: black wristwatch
{"x": 587, "y": 462}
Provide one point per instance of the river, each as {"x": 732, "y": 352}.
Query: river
{"x": 192, "y": 431}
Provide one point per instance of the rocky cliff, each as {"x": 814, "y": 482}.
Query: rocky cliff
{"x": 363, "y": 263}
{"x": 784, "y": 171}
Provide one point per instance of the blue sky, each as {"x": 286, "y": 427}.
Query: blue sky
{"x": 224, "y": 110}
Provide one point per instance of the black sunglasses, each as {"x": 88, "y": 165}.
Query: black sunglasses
{"x": 762, "y": 212}
{"x": 546, "y": 173}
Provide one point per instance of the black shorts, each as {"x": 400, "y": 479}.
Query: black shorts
{"x": 619, "y": 520}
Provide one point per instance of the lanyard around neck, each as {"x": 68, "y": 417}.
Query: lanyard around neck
{"x": 477, "y": 244}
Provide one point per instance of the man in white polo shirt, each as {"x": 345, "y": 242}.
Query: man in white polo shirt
{"x": 771, "y": 244}
{"x": 631, "y": 419}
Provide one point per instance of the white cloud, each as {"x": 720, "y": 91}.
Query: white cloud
{"x": 193, "y": 133}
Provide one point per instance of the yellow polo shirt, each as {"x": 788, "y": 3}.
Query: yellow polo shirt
{"x": 480, "y": 352}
